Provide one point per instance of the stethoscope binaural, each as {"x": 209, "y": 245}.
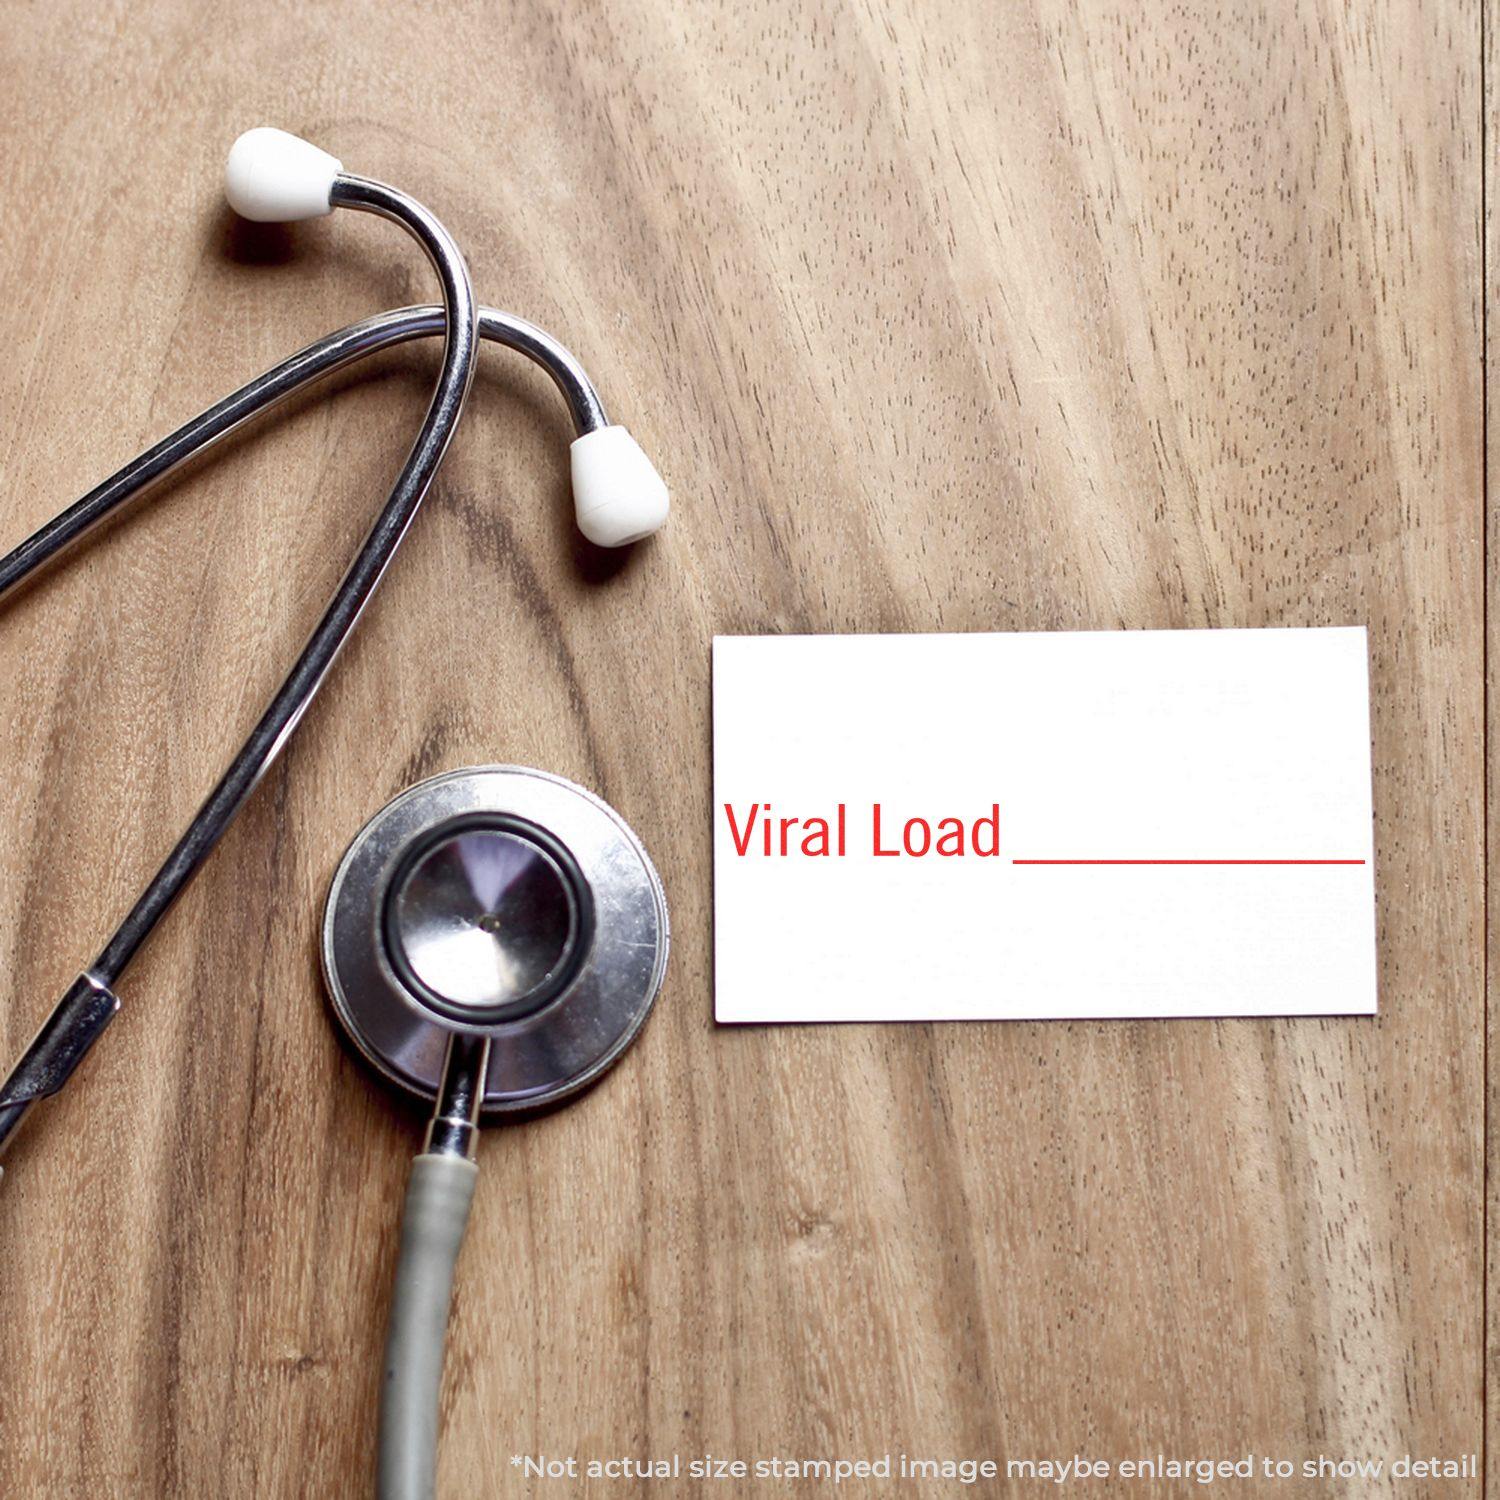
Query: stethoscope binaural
{"x": 494, "y": 937}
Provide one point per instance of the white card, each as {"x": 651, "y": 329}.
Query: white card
{"x": 1138, "y": 823}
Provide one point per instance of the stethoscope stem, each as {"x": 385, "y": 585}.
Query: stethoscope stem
{"x": 454, "y": 1127}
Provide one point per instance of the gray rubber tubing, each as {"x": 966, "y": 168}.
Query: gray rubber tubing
{"x": 432, "y": 1228}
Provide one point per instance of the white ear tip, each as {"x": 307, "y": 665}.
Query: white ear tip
{"x": 276, "y": 178}
{"x": 617, "y": 492}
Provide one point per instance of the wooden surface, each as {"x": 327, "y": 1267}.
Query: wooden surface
{"x": 938, "y": 317}
{"x": 1491, "y": 120}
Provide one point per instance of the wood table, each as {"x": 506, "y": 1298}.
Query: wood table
{"x": 939, "y": 316}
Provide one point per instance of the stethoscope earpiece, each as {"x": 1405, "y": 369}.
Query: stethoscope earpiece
{"x": 275, "y": 178}
{"x": 617, "y": 493}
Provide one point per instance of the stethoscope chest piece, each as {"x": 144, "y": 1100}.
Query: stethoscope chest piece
{"x": 498, "y": 902}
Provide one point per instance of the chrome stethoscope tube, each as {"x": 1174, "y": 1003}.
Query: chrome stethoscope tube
{"x": 88, "y": 1006}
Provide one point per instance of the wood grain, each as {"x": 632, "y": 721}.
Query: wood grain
{"x": 1492, "y": 726}
{"x": 939, "y": 317}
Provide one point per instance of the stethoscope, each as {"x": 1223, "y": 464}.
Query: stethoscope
{"x": 494, "y": 937}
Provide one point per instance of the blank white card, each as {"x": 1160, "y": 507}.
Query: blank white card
{"x": 966, "y": 827}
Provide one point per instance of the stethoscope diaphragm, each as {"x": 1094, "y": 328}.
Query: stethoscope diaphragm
{"x": 501, "y": 902}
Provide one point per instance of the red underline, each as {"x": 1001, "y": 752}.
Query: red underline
{"x": 1187, "y": 861}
